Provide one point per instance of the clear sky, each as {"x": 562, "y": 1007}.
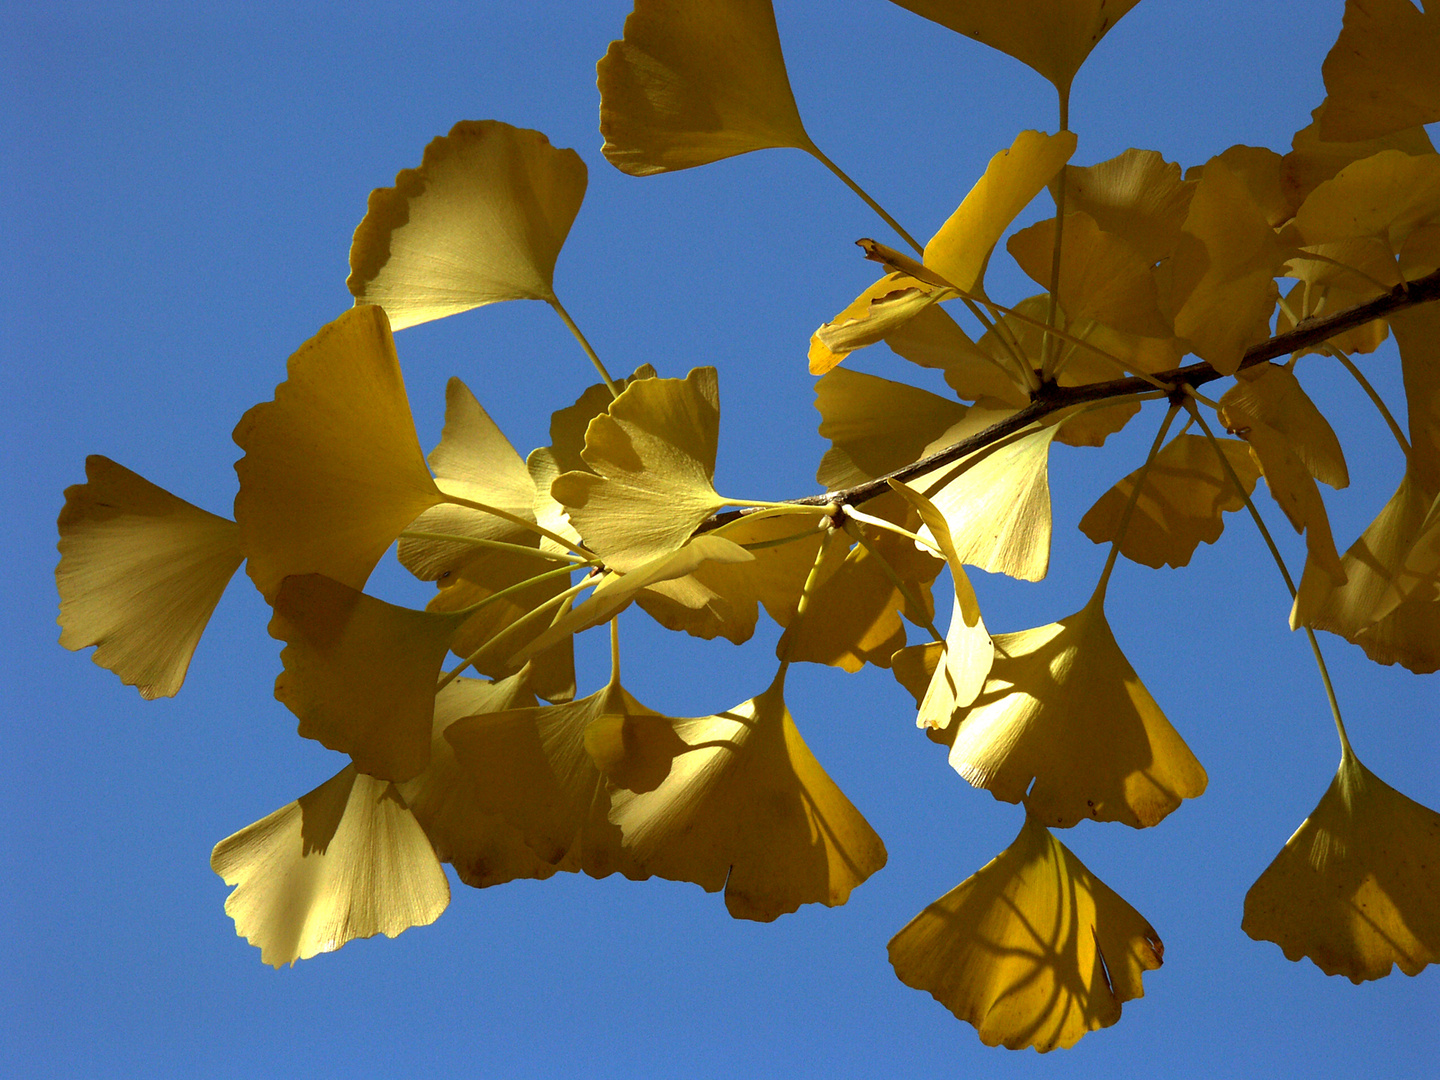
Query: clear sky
{"x": 180, "y": 185}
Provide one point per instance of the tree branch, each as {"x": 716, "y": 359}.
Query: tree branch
{"x": 1051, "y": 398}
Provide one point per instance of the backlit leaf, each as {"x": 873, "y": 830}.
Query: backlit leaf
{"x": 1271, "y": 394}
{"x": 1386, "y": 195}
{"x": 1381, "y": 73}
{"x": 1313, "y": 160}
{"x": 1137, "y": 196}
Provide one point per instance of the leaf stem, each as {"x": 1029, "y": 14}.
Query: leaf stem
{"x": 890, "y": 526}
{"x": 511, "y": 590}
{"x": 1374, "y": 396}
{"x": 584, "y": 344}
{"x": 497, "y": 545}
{"x": 524, "y": 620}
{"x": 1130, "y": 504}
{"x": 853, "y": 529}
{"x": 516, "y": 519}
{"x": 787, "y": 639}
{"x": 864, "y": 195}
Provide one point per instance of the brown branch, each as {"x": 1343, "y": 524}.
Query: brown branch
{"x": 1051, "y": 398}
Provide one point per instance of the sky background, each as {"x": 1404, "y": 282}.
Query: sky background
{"x": 180, "y": 183}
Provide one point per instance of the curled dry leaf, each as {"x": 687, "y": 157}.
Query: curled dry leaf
{"x": 140, "y": 574}
{"x": 481, "y": 220}
{"x": 1032, "y": 949}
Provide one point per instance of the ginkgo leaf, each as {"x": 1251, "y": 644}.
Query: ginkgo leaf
{"x": 360, "y": 673}
{"x": 875, "y": 425}
{"x": 1335, "y": 276}
{"x": 969, "y": 652}
{"x": 140, "y": 574}
{"x": 1137, "y": 196}
{"x": 1313, "y": 160}
{"x": 1186, "y": 491}
{"x": 481, "y": 220}
{"x": 1355, "y": 889}
{"x": 1387, "y": 195}
{"x": 449, "y": 800}
{"x": 1272, "y": 395}
{"x": 1419, "y": 575}
{"x": 1101, "y": 276}
{"x": 997, "y": 504}
{"x": 1219, "y": 284}
{"x": 346, "y": 861}
{"x": 1381, "y": 73}
{"x": 654, "y": 457}
{"x": 332, "y": 470}
{"x": 1051, "y": 36}
{"x": 1293, "y": 489}
{"x": 734, "y": 800}
{"x": 885, "y": 307}
{"x": 1408, "y": 633}
{"x": 960, "y": 251}
{"x": 613, "y": 592}
{"x": 1261, "y": 171}
{"x": 693, "y": 83}
{"x": 530, "y": 767}
{"x": 1032, "y": 949}
{"x": 1065, "y": 725}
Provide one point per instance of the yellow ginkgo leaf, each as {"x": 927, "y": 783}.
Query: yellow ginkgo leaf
{"x": 140, "y": 574}
{"x": 1186, "y": 491}
{"x": 1065, "y": 725}
{"x": 1032, "y": 949}
{"x": 332, "y": 470}
{"x": 881, "y": 310}
{"x": 1137, "y": 196}
{"x": 1355, "y": 889}
{"x": 734, "y": 800}
{"x": 1101, "y": 276}
{"x": 1419, "y": 575}
{"x": 613, "y": 592}
{"x": 1313, "y": 160}
{"x": 969, "y": 652}
{"x": 449, "y": 801}
{"x": 530, "y": 767}
{"x": 1293, "y": 488}
{"x": 1261, "y": 171}
{"x": 1219, "y": 284}
{"x": 1272, "y": 395}
{"x": 693, "y": 83}
{"x": 997, "y": 504}
{"x": 360, "y": 673}
{"x": 653, "y": 456}
{"x": 474, "y": 461}
{"x": 481, "y": 220}
{"x": 1381, "y": 73}
{"x": 1386, "y": 195}
{"x": 876, "y": 426}
{"x": 1358, "y": 610}
{"x": 1051, "y": 36}
{"x": 960, "y": 251}
{"x": 346, "y": 861}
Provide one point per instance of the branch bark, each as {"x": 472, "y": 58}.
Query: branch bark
{"x": 1051, "y": 398}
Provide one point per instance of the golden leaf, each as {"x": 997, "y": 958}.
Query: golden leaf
{"x": 1137, "y": 196}
{"x": 961, "y": 249}
{"x": 1051, "y": 36}
{"x": 1381, "y": 73}
{"x": 1419, "y": 575}
{"x": 449, "y": 800}
{"x": 346, "y": 861}
{"x": 1032, "y": 949}
{"x": 360, "y": 673}
{"x": 1101, "y": 276}
{"x": 654, "y": 457}
{"x": 1386, "y": 195}
{"x": 1313, "y": 160}
{"x": 1355, "y": 889}
{"x": 694, "y": 83}
{"x": 1186, "y": 491}
{"x": 1261, "y": 171}
{"x": 140, "y": 574}
{"x": 482, "y": 220}
{"x": 1065, "y": 726}
{"x": 734, "y": 800}
{"x": 332, "y": 470}
{"x": 885, "y": 307}
{"x": 1272, "y": 395}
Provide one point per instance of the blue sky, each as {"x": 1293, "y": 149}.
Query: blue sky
{"x": 180, "y": 186}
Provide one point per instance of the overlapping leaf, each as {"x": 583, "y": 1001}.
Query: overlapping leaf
{"x": 1355, "y": 889}
{"x": 693, "y": 83}
{"x": 140, "y": 574}
{"x": 346, "y": 861}
{"x": 1065, "y": 725}
{"x": 481, "y": 220}
{"x": 1381, "y": 73}
{"x": 1313, "y": 160}
{"x": 1032, "y": 949}
{"x": 332, "y": 470}
{"x": 1137, "y": 196}
{"x": 734, "y": 801}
